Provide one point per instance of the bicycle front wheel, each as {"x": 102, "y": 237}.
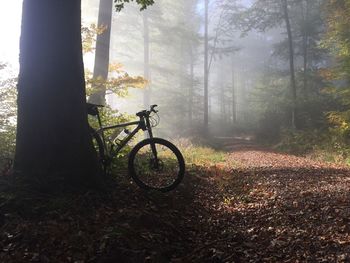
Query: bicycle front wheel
{"x": 156, "y": 164}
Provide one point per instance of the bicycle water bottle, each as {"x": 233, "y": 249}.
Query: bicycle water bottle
{"x": 121, "y": 136}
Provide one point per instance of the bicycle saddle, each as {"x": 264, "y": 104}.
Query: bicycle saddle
{"x": 92, "y": 109}
{"x": 141, "y": 113}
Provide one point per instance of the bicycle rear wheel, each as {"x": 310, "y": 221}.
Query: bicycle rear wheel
{"x": 98, "y": 145}
{"x": 162, "y": 171}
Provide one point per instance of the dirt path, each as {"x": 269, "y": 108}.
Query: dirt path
{"x": 281, "y": 207}
{"x": 270, "y": 207}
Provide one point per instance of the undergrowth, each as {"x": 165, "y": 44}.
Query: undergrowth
{"x": 324, "y": 145}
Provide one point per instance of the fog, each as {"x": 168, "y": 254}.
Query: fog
{"x": 240, "y": 54}
{"x": 248, "y": 56}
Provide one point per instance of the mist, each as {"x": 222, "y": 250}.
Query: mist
{"x": 247, "y": 56}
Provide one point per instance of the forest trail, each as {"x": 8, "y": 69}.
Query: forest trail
{"x": 267, "y": 207}
{"x": 279, "y": 208}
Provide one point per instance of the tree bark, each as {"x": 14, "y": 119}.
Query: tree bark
{"x": 103, "y": 40}
{"x": 206, "y": 67}
{"x": 291, "y": 62}
{"x": 52, "y": 126}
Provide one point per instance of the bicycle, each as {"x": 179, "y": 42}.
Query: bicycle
{"x": 154, "y": 163}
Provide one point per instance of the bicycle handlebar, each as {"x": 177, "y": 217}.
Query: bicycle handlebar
{"x": 147, "y": 112}
{"x": 152, "y": 108}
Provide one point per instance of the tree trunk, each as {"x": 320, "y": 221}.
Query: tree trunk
{"x": 222, "y": 94}
{"x": 146, "y": 54}
{"x": 52, "y": 127}
{"x": 191, "y": 87}
{"x": 206, "y": 69}
{"x": 234, "y": 107}
{"x": 101, "y": 65}
{"x": 305, "y": 43}
{"x": 291, "y": 62}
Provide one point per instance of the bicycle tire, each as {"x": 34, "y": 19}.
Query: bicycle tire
{"x": 136, "y": 175}
{"x": 98, "y": 144}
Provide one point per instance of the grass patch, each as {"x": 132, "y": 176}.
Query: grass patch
{"x": 202, "y": 155}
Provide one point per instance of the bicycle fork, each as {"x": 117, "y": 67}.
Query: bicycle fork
{"x": 153, "y": 145}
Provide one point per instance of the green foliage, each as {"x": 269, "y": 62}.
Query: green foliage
{"x": 337, "y": 41}
{"x": 324, "y": 144}
{"x": 119, "y": 4}
{"x": 300, "y": 142}
{"x": 109, "y": 117}
{"x": 8, "y": 113}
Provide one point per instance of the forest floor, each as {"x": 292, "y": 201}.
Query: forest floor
{"x": 254, "y": 205}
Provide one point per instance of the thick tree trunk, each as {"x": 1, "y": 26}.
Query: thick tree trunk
{"x": 102, "y": 51}
{"x": 206, "y": 67}
{"x": 291, "y": 62}
{"x": 52, "y": 131}
{"x": 146, "y": 65}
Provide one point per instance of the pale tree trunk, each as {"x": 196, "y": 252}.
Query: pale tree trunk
{"x": 222, "y": 94}
{"x": 52, "y": 128}
{"x": 305, "y": 42}
{"x": 206, "y": 67}
{"x": 146, "y": 63}
{"x": 102, "y": 51}
{"x": 291, "y": 63}
{"x": 191, "y": 88}
{"x": 190, "y": 62}
{"x": 242, "y": 107}
{"x": 234, "y": 107}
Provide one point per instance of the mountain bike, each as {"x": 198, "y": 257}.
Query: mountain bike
{"x": 153, "y": 164}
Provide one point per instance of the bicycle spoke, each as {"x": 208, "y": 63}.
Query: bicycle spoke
{"x": 157, "y": 172}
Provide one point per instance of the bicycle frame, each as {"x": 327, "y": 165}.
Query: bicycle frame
{"x": 107, "y": 148}
{"x": 142, "y": 124}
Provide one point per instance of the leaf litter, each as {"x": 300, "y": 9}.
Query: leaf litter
{"x": 269, "y": 207}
